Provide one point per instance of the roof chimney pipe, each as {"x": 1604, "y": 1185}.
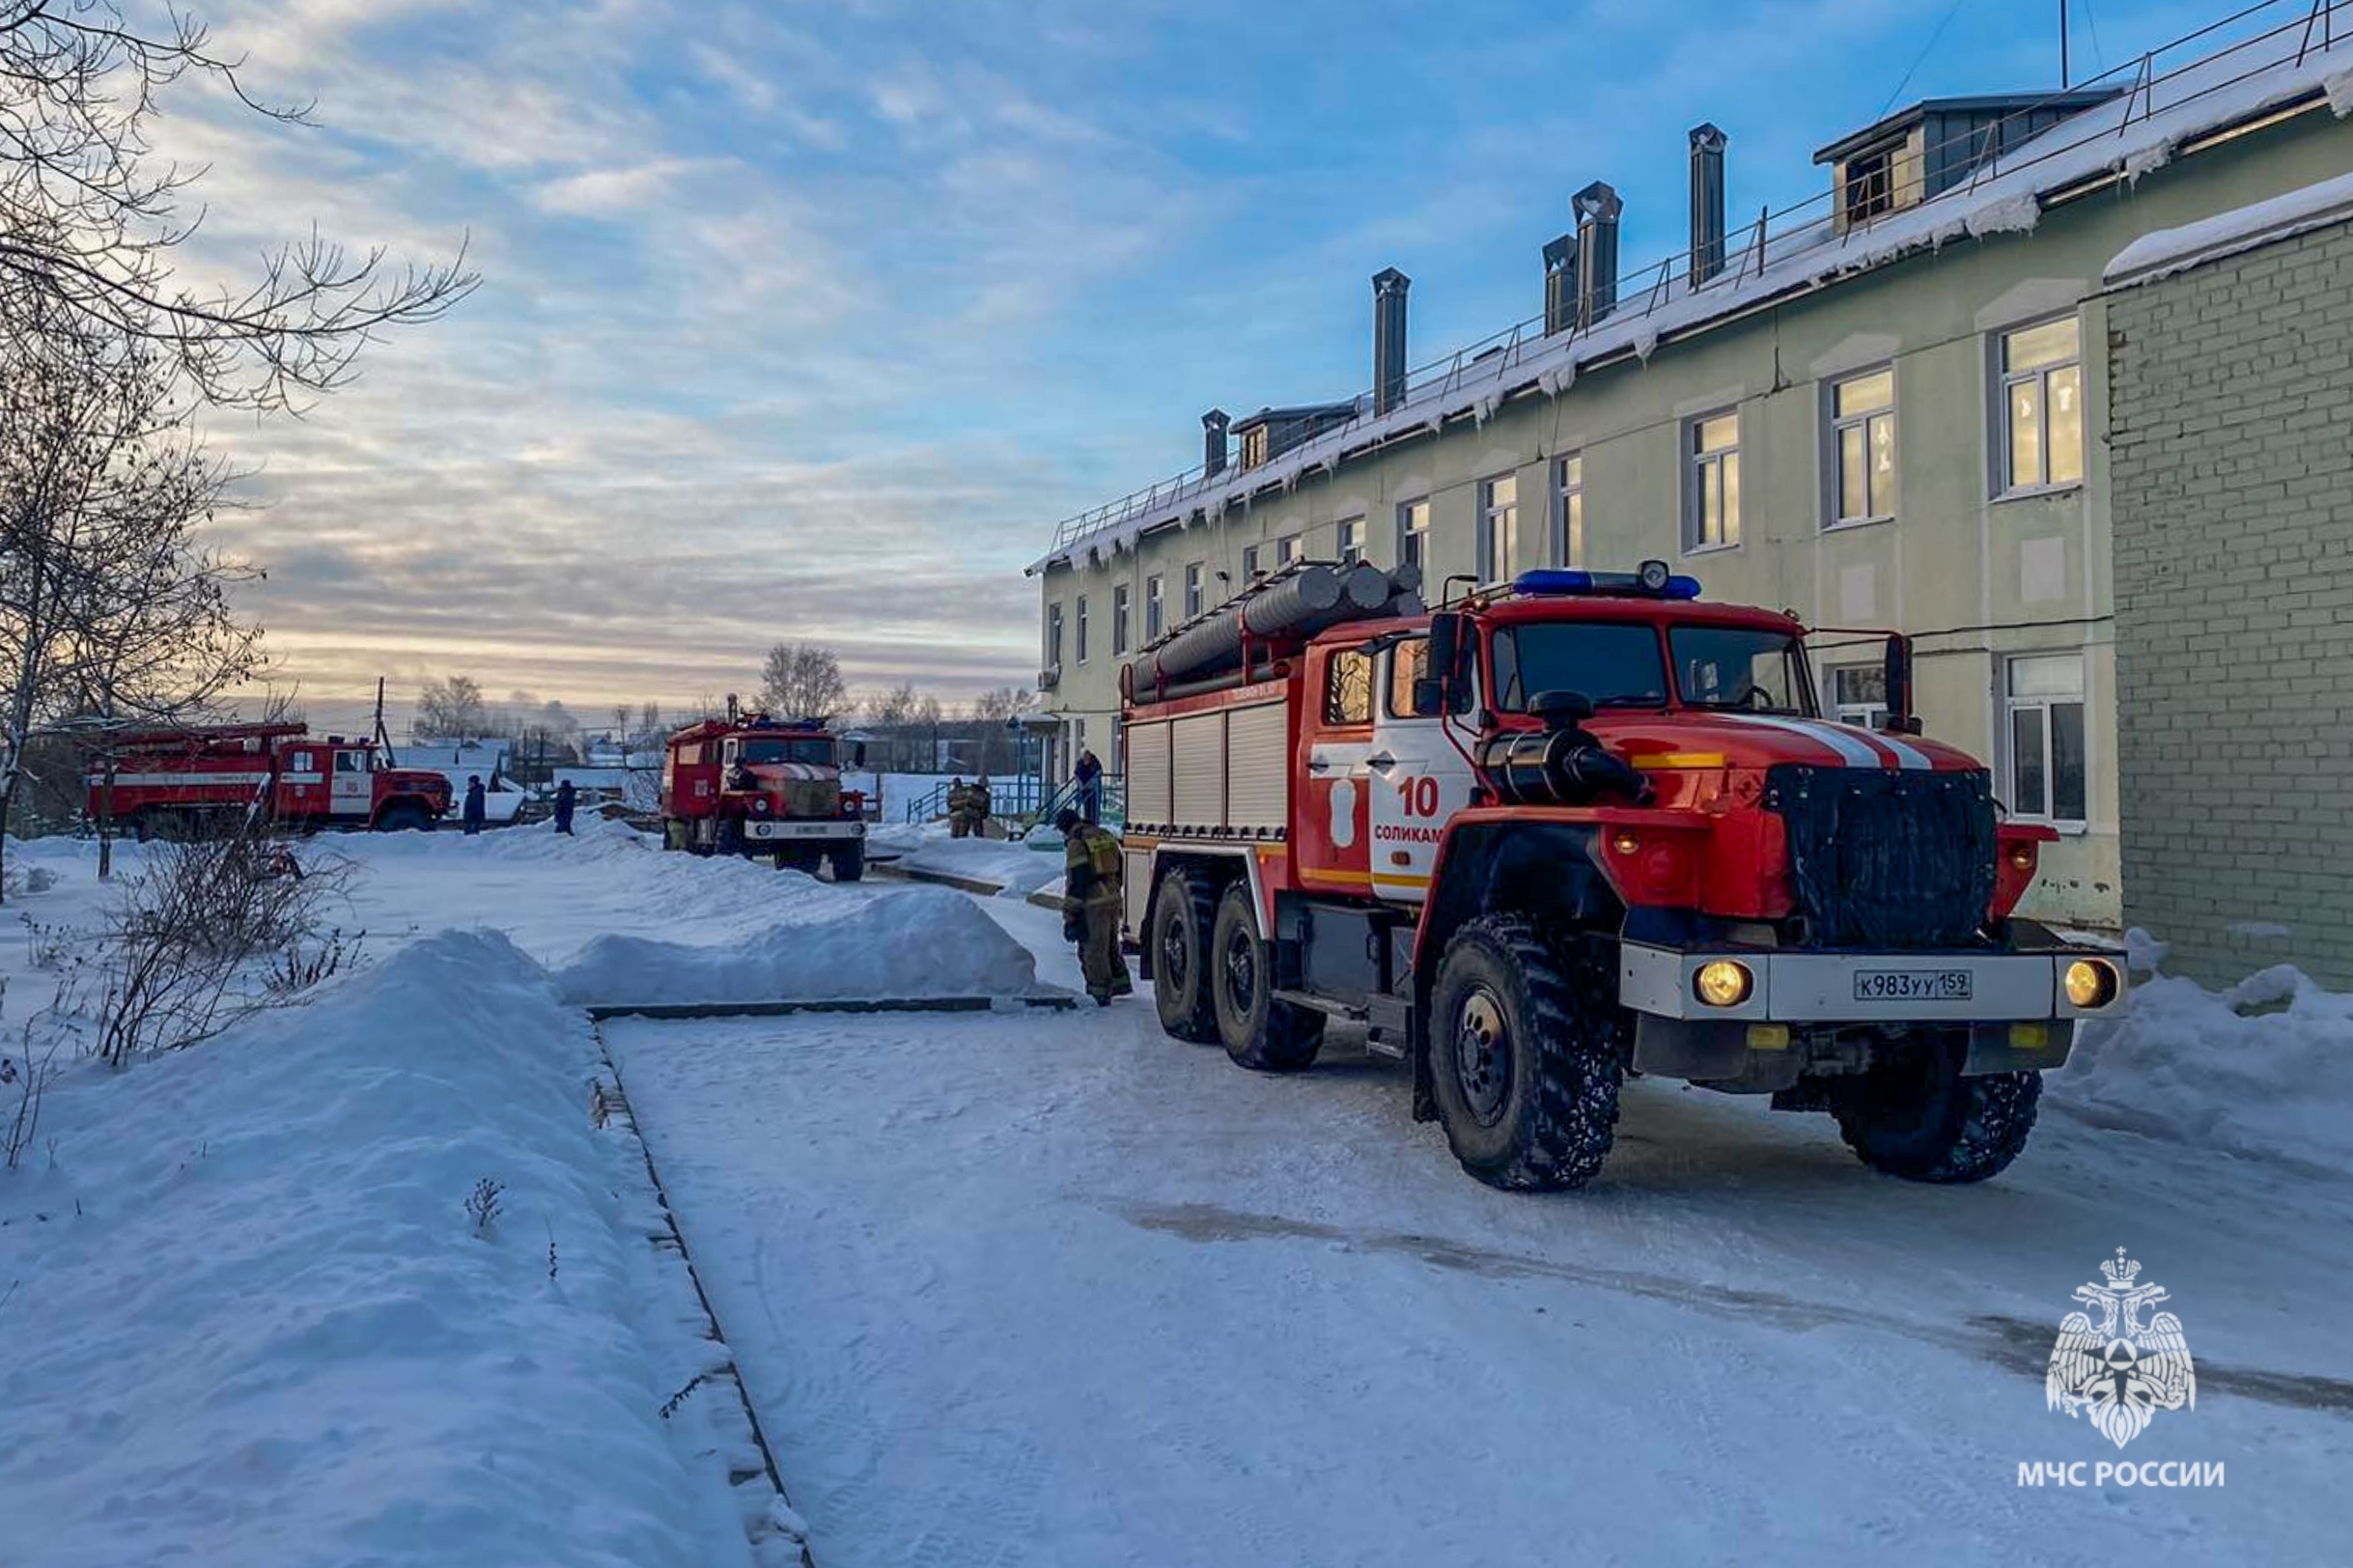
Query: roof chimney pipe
{"x": 1560, "y": 285}
{"x": 1707, "y": 204}
{"x": 1597, "y": 210}
{"x": 1388, "y": 338}
{"x": 1212, "y": 443}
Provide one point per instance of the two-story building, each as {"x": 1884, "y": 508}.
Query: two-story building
{"x": 1882, "y": 408}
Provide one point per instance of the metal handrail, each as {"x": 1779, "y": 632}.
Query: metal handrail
{"x": 1776, "y": 237}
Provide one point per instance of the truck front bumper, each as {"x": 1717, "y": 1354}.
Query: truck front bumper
{"x": 768, "y": 829}
{"x": 2015, "y": 1005}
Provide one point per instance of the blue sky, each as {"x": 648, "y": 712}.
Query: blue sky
{"x": 810, "y": 320}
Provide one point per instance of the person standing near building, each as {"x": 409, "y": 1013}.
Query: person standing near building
{"x": 1089, "y": 774}
{"x": 958, "y": 807}
{"x": 1091, "y": 905}
{"x": 566, "y": 797}
{"x": 476, "y": 811}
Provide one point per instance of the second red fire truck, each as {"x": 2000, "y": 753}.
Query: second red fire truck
{"x": 1576, "y": 827}
{"x": 754, "y": 785}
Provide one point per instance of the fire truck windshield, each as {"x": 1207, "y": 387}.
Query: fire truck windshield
{"x": 1616, "y": 664}
{"x": 820, "y": 751}
{"x": 1755, "y": 671}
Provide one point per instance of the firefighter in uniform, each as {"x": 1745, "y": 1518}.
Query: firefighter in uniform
{"x": 960, "y": 821}
{"x": 1091, "y": 905}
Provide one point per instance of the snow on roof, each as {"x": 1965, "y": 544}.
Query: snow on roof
{"x": 2165, "y": 252}
{"x": 2134, "y": 133}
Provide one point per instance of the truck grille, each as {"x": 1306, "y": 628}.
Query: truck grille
{"x": 1888, "y": 860}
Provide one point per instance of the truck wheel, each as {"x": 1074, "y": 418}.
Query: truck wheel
{"x": 848, "y": 862}
{"x": 404, "y": 818}
{"x": 1182, "y": 920}
{"x": 1525, "y": 1057}
{"x": 1259, "y": 1032}
{"x": 1914, "y": 1115}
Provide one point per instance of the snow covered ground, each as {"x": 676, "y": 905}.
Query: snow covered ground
{"x": 1052, "y": 1288}
{"x": 1015, "y": 867}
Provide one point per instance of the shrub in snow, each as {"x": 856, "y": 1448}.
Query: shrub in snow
{"x": 481, "y": 1204}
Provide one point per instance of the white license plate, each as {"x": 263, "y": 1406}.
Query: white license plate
{"x": 1912, "y": 985}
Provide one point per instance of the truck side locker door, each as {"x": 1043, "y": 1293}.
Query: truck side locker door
{"x": 351, "y": 789}
{"x": 1336, "y": 742}
{"x": 1419, "y": 778}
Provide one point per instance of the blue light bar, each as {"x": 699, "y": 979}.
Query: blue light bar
{"x": 1550, "y": 581}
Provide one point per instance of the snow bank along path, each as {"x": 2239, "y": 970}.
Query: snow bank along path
{"x": 251, "y": 1322}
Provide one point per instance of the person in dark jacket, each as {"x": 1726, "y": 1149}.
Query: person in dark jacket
{"x": 1089, "y": 774}
{"x": 564, "y": 798}
{"x": 1091, "y": 905}
{"x": 475, "y": 810}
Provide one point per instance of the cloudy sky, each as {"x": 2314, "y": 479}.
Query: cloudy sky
{"x": 809, "y": 318}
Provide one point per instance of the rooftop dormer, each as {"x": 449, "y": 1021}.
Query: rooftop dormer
{"x": 1917, "y": 154}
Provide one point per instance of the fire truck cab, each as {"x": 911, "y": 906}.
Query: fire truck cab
{"x": 754, "y": 785}
{"x": 1579, "y": 825}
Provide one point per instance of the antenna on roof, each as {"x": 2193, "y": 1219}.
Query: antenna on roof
{"x": 2064, "y": 80}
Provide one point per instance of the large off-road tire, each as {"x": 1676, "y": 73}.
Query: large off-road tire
{"x": 848, "y": 861}
{"x": 1525, "y": 1054}
{"x": 1914, "y": 1115}
{"x": 1259, "y": 1032}
{"x": 405, "y": 817}
{"x": 1183, "y": 917}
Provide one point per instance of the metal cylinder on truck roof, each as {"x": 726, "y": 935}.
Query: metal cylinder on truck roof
{"x": 1295, "y": 605}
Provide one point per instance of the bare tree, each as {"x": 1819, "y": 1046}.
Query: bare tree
{"x": 112, "y": 614}
{"x": 451, "y": 709}
{"x": 803, "y": 681}
{"x": 91, "y": 219}
{"x": 993, "y": 709}
{"x": 649, "y": 722}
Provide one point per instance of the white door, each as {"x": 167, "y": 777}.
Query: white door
{"x": 351, "y": 789}
{"x": 1418, "y": 779}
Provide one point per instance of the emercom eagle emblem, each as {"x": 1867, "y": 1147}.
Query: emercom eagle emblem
{"x": 2111, "y": 1366}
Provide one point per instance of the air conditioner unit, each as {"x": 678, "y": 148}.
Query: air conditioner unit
{"x": 1048, "y": 679}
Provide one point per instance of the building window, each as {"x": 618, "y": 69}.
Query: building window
{"x": 1863, "y": 448}
{"x": 1871, "y": 184}
{"x": 1858, "y": 694}
{"x": 1414, "y": 534}
{"x": 1569, "y": 501}
{"x": 1249, "y": 564}
{"x": 1348, "y": 689}
{"x": 1054, "y": 636}
{"x": 1152, "y": 608}
{"x": 1286, "y": 551}
{"x": 1352, "y": 539}
{"x": 2043, "y": 697}
{"x": 1192, "y": 590}
{"x": 2042, "y": 402}
{"x": 1712, "y": 506}
{"x": 1119, "y": 620}
{"x": 1253, "y": 446}
{"x": 1082, "y": 628}
{"x": 1500, "y": 528}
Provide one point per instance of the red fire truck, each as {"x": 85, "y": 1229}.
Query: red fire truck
{"x": 755, "y": 785}
{"x": 1579, "y": 825}
{"x": 175, "y": 781}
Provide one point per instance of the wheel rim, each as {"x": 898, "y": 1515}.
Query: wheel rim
{"x": 1241, "y": 973}
{"x": 1482, "y": 1055}
{"x": 1176, "y": 956}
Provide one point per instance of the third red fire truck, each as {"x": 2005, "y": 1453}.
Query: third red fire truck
{"x": 1579, "y": 826}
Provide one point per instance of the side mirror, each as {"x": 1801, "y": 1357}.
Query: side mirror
{"x": 1900, "y": 719}
{"x": 1446, "y": 653}
{"x": 1429, "y": 697}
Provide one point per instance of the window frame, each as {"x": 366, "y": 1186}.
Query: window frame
{"x": 1349, "y": 536}
{"x": 1696, "y": 462}
{"x": 1123, "y": 603}
{"x": 2012, "y": 705}
{"x": 1870, "y": 713}
{"x": 1195, "y": 596}
{"x": 1079, "y": 636}
{"x": 1835, "y": 428}
{"x": 1569, "y": 507}
{"x": 1053, "y": 635}
{"x": 2004, "y": 379}
{"x": 1156, "y": 614}
{"x": 1410, "y": 552}
{"x": 1334, "y": 717}
{"x": 1249, "y": 564}
{"x": 1288, "y": 547}
{"x": 1491, "y": 511}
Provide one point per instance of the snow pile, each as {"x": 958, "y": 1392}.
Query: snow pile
{"x": 2166, "y": 251}
{"x": 2263, "y": 1068}
{"x": 254, "y": 1323}
{"x": 826, "y": 946}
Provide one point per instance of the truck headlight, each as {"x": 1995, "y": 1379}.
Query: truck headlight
{"x": 1722, "y": 983}
{"x": 2090, "y": 983}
